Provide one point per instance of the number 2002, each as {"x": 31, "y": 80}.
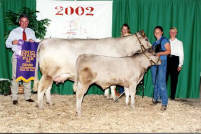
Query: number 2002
{"x": 88, "y": 11}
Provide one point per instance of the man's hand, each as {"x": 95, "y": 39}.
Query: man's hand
{"x": 179, "y": 69}
{"x": 30, "y": 40}
{"x": 15, "y": 42}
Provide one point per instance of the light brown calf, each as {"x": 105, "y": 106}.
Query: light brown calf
{"x": 107, "y": 71}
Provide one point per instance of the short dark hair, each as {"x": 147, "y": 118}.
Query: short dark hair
{"x": 126, "y": 25}
{"x": 23, "y": 16}
{"x": 159, "y": 27}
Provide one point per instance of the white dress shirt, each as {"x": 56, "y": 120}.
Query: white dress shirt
{"x": 177, "y": 50}
{"x": 16, "y": 34}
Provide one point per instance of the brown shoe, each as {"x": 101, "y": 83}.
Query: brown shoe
{"x": 30, "y": 100}
{"x": 163, "y": 107}
{"x": 15, "y": 102}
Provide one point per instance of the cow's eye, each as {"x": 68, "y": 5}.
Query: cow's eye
{"x": 146, "y": 39}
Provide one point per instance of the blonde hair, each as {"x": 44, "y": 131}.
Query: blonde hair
{"x": 173, "y": 28}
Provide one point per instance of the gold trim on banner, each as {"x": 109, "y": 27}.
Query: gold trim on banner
{"x": 24, "y": 79}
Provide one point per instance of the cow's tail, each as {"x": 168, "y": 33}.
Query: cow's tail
{"x": 36, "y": 81}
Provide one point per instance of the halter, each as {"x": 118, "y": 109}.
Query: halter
{"x": 141, "y": 45}
{"x": 143, "y": 49}
{"x": 150, "y": 60}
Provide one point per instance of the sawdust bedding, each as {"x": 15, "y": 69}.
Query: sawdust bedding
{"x": 99, "y": 115}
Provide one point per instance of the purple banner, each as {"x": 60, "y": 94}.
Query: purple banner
{"x": 26, "y": 60}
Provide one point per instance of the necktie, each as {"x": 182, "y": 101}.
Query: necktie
{"x": 24, "y": 37}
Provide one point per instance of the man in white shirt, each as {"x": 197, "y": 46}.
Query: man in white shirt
{"x": 24, "y": 33}
{"x": 175, "y": 60}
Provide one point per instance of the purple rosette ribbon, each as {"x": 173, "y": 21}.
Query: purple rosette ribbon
{"x": 19, "y": 48}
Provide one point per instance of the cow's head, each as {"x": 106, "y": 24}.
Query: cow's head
{"x": 143, "y": 40}
{"x": 152, "y": 57}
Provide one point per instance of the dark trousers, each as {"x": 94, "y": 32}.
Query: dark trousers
{"x": 172, "y": 65}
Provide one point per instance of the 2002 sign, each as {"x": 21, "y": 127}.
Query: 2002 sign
{"x": 88, "y": 11}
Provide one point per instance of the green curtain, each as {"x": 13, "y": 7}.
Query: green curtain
{"x": 183, "y": 14}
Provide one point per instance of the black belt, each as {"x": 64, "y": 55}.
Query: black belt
{"x": 172, "y": 56}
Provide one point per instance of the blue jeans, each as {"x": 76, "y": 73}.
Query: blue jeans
{"x": 121, "y": 89}
{"x": 159, "y": 82}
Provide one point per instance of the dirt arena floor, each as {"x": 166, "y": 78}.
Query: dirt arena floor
{"x": 99, "y": 115}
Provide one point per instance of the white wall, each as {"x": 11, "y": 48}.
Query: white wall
{"x": 90, "y": 19}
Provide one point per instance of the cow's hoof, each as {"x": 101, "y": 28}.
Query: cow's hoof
{"x": 107, "y": 97}
{"x": 133, "y": 106}
{"x": 78, "y": 114}
{"x": 114, "y": 98}
{"x": 50, "y": 103}
{"x": 36, "y": 105}
{"x": 39, "y": 106}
